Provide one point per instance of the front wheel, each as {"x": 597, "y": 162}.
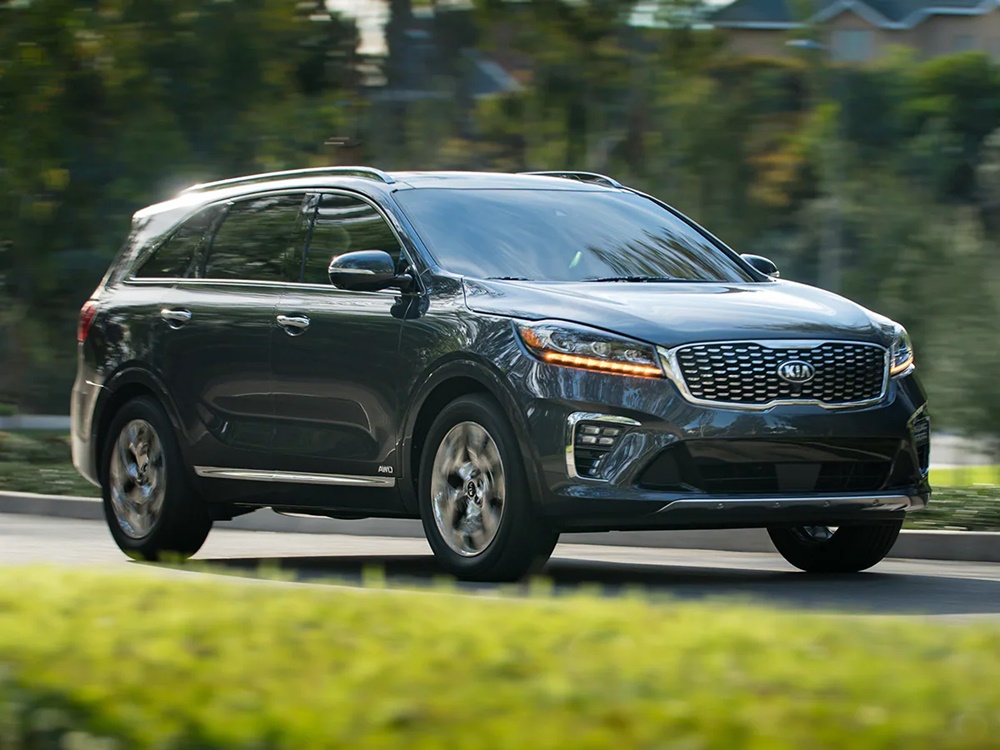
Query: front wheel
{"x": 474, "y": 499}
{"x": 844, "y": 549}
{"x": 150, "y": 508}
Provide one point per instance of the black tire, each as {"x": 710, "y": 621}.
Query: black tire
{"x": 523, "y": 541}
{"x": 180, "y": 527}
{"x": 850, "y": 548}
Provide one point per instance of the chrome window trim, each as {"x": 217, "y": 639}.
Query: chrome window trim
{"x": 249, "y": 283}
{"x": 585, "y": 416}
{"x": 293, "y": 477}
{"x": 668, "y": 358}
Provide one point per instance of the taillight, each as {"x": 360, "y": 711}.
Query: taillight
{"x": 87, "y": 313}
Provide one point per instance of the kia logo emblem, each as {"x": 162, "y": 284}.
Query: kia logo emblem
{"x": 796, "y": 371}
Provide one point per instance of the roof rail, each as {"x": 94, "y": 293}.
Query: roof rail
{"x": 592, "y": 177}
{"x": 368, "y": 172}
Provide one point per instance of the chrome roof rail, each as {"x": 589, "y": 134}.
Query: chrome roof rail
{"x": 592, "y": 177}
{"x": 368, "y": 172}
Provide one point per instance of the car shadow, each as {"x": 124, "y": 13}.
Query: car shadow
{"x": 870, "y": 592}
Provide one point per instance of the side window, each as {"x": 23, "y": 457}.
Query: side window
{"x": 173, "y": 258}
{"x": 344, "y": 224}
{"x": 258, "y": 240}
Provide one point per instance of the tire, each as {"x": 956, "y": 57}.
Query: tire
{"x": 149, "y": 505}
{"x": 475, "y": 504}
{"x": 848, "y": 549}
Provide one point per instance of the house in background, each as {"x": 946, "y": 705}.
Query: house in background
{"x": 860, "y": 31}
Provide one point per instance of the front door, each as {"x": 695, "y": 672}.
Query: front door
{"x": 336, "y": 368}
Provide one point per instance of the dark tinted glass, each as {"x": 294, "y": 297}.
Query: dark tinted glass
{"x": 344, "y": 224}
{"x": 173, "y": 258}
{"x": 562, "y": 235}
{"x": 258, "y": 240}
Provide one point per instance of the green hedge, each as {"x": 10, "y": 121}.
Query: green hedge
{"x": 92, "y": 660}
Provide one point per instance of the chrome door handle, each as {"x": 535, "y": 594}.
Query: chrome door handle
{"x": 175, "y": 318}
{"x": 294, "y": 325}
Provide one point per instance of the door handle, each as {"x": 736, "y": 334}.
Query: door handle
{"x": 176, "y": 317}
{"x": 294, "y": 325}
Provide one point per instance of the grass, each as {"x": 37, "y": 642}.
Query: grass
{"x": 90, "y": 660}
{"x": 966, "y": 476}
{"x": 41, "y": 462}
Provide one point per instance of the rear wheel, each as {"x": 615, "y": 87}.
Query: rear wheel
{"x": 844, "y": 549}
{"x": 474, "y": 499}
{"x": 151, "y": 510}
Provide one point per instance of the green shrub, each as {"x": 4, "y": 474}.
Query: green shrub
{"x": 36, "y": 461}
{"x": 960, "y": 509}
{"x": 135, "y": 661}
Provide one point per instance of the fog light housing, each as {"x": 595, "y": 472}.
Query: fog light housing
{"x": 589, "y": 439}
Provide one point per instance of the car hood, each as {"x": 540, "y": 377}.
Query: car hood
{"x": 674, "y": 313}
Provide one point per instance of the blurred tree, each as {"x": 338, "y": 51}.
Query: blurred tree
{"x": 107, "y": 105}
{"x": 962, "y": 92}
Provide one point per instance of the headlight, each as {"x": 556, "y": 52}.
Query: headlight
{"x": 584, "y": 348}
{"x": 901, "y": 356}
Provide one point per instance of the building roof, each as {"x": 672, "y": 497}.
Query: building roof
{"x": 887, "y": 14}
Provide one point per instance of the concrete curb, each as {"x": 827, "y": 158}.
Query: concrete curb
{"x": 972, "y": 546}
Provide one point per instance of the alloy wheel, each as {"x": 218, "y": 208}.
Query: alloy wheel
{"x": 137, "y": 479}
{"x": 468, "y": 489}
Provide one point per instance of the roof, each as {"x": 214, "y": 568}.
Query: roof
{"x": 887, "y": 14}
{"x": 374, "y": 183}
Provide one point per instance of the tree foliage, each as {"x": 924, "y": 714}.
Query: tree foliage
{"x": 108, "y": 105}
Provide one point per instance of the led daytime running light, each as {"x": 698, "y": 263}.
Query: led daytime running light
{"x": 896, "y": 369}
{"x": 602, "y": 365}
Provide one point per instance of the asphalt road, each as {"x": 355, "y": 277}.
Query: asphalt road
{"x": 897, "y": 587}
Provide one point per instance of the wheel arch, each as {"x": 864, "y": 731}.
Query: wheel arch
{"x": 447, "y": 382}
{"x": 128, "y": 383}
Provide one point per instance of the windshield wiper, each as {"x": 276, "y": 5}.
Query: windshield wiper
{"x": 634, "y": 278}
{"x": 507, "y": 278}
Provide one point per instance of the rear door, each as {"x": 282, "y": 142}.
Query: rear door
{"x": 217, "y": 356}
{"x": 337, "y": 368}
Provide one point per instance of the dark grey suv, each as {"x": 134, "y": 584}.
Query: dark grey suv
{"x": 506, "y": 357}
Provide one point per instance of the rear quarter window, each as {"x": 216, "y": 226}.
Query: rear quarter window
{"x": 174, "y": 257}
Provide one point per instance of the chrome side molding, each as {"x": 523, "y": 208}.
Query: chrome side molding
{"x": 293, "y": 477}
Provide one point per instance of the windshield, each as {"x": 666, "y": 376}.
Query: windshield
{"x": 563, "y": 235}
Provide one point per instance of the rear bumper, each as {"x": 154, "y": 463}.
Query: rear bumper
{"x": 83, "y": 400}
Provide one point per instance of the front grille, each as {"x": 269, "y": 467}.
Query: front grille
{"x": 747, "y": 372}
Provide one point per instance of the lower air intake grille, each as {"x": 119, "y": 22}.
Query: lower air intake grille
{"x": 592, "y": 441}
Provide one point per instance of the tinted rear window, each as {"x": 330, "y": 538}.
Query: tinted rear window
{"x": 562, "y": 235}
{"x": 258, "y": 241}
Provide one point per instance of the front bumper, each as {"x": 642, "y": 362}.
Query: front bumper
{"x": 655, "y": 420}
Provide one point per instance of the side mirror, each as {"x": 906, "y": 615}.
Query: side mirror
{"x": 764, "y": 265}
{"x": 366, "y": 271}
